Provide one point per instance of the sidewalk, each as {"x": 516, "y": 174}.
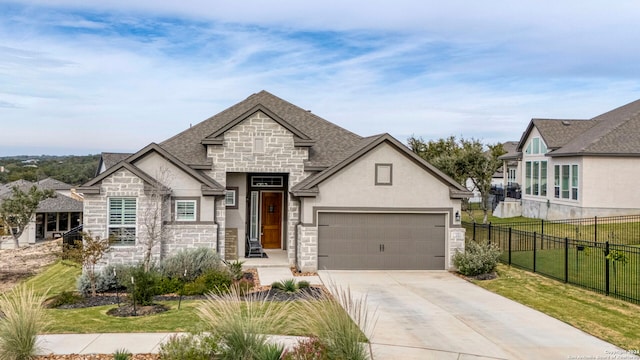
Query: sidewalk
{"x": 136, "y": 343}
{"x": 149, "y": 343}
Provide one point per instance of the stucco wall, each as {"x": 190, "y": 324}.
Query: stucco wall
{"x": 353, "y": 189}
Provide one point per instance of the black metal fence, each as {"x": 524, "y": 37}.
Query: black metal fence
{"x": 606, "y": 267}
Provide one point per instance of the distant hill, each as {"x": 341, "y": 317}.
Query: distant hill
{"x": 71, "y": 169}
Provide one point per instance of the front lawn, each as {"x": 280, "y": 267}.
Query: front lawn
{"x": 615, "y": 321}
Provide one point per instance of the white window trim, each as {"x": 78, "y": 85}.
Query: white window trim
{"x": 195, "y": 210}
{"x": 134, "y": 225}
{"x": 233, "y": 191}
{"x": 540, "y": 181}
{"x": 558, "y": 173}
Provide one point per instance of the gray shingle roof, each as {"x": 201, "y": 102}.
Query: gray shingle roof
{"x": 109, "y": 159}
{"x": 614, "y": 133}
{"x": 60, "y": 203}
{"x": 53, "y": 184}
{"x": 332, "y": 143}
{"x": 511, "y": 148}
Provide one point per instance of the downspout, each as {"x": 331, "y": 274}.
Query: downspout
{"x": 295, "y": 237}
{"x": 215, "y": 221}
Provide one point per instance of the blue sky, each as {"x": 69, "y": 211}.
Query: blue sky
{"x": 80, "y": 77}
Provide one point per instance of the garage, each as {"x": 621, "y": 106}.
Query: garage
{"x": 381, "y": 241}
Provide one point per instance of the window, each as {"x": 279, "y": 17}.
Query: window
{"x": 266, "y": 181}
{"x": 384, "y": 174}
{"x": 511, "y": 178}
{"x": 566, "y": 181}
{"x": 536, "y": 146}
{"x": 253, "y": 227}
{"x": 231, "y": 197}
{"x": 185, "y": 210}
{"x": 574, "y": 182}
{"x": 122, "y": 221}
{"x": 536, "y": 178}
{"x": 556, "y": 181}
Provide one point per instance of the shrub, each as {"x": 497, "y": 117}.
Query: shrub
{"x": 122, "y": 354}
{"x": 105, "y": 280}
{"x": 64, "y": 298}
{"x": 308, "y": 349}
{"x": 23, "y": 317}
{"x": 235, "y": 269}
{"x": 289, "y": 286}
{"x": 194, "y": 261}
{"x": 213, "y": 280}
{"x": 144, "y": 288}
{"x": 188, "y": 347}
{"x": 477, "y": 259}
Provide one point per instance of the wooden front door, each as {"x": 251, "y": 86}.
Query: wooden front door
{"x": 271, "y": 213}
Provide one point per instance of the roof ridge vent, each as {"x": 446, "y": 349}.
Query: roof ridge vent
{"x": 566, "y": 123}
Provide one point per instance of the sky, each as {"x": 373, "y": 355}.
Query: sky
{"x": 80, "y": 77}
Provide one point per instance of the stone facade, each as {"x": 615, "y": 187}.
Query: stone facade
{"x": 456, "y": 243}
{"x": 555, "y": 211}
{"x": 275, "y": 153}
{"x": 307, "y": 248}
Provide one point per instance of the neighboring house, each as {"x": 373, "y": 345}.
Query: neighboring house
{"x": 582, "y": 168}
{"x": 500, "y": 178}
{"x": 269, "y": 170}
{"x": 54, "y": 216}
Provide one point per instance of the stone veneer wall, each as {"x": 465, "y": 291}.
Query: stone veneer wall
{"x": 178, "y": 236}
{"x": 456, "y": 243}
{"x": 279, "y": 156}
{"x": 189, "y": 236}
{"x": 540, "y": 210}
{"x": 308, "y": 246}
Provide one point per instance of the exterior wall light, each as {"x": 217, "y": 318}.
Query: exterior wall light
{"x": 457, "y": 216}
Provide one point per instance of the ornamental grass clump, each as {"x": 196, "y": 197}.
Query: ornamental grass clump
{"x": 341, "y": 323}
{"x": 22, "y": 317}
{"x": 477, "y": 259}
{"x": 240, "y": 324}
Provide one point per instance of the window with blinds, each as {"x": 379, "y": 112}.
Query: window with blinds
{"x": 122, "y": 221}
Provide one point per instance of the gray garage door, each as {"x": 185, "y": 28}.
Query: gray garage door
{"x": 367, "y": 241}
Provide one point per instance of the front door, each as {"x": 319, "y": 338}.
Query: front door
{"x": 271, "y": 212}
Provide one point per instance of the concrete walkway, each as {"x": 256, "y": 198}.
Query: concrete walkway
{"x": 436, "y": 315}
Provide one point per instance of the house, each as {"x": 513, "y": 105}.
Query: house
{"x": 582, "y": 168}
{"x": 54, "y": 216}
{"x": 501, "y": 179}
{"x": 268, "y": 170}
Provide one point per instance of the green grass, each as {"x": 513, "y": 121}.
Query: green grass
{"x": 57, "y": 278}
{"x": 96, "y": 320}
{"x": 607, "y": 318}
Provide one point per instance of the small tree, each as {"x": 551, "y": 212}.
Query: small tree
{"x": 461, "y": 160}
{"x": 89, "y": 253}
{"x": 17, "y": 211}
{"x": 156, "y": 206}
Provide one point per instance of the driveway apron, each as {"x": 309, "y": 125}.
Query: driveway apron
{"x": 437, "y": 315}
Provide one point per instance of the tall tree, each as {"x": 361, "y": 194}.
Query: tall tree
{"x": 463, "y": 159}
{"x": 17, "y": 211}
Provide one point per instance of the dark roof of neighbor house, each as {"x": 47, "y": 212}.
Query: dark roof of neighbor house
{"x": 332, "y": 143}
{"x": 53, "y": 184}
{"x": 511, "y": 151}
{"x": 60, "y": 203}
{"x": 108, "y": 159}
{"x": 614, "y": 133}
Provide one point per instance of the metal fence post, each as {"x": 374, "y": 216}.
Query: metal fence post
{"x": 606, "y": 267}
{"x": 509, "y": 246}
{"x": 566, "y": 259}
{"x": 489, "y": 234}
{"x": 474, "y": 231}
{"x": 595, "y": 231}
{"x": 542, "y": 235}
{"x": 534, "y": 251}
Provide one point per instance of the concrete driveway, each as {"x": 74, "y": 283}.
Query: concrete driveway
{"x": 436, "y": 315}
